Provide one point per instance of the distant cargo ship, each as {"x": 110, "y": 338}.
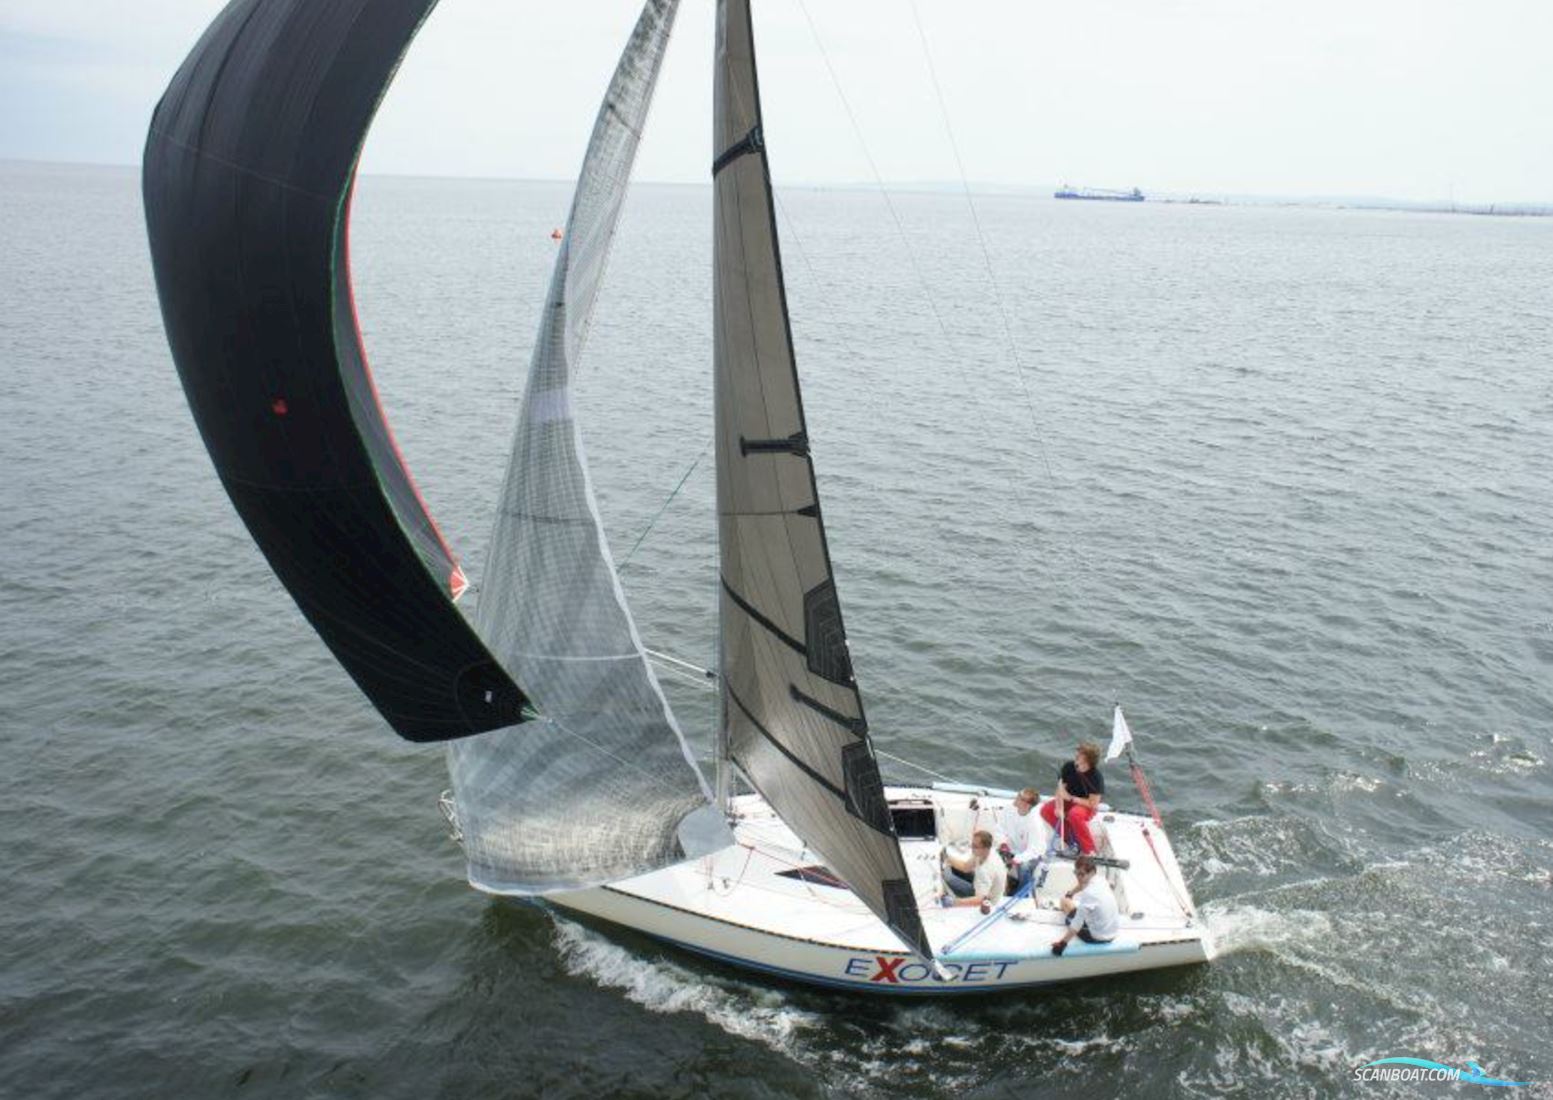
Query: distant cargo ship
{"x": 1098, "y": 194}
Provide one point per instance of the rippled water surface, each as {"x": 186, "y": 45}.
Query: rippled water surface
{"x": 1276, "y": 479}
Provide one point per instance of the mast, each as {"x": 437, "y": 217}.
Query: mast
{"x": 792, "y": 712}
{"x": 722, "y": 776}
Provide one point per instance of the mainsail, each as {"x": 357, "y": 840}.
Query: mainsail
{"x": 600, "y": 785}
{"x": 794, "y": 718}
{"x": 247, "y": 178}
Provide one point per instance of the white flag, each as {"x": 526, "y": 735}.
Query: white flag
{"x": 1121, "y": 736}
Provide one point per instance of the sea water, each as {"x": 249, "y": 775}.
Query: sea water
{"x": 1277, "y": 479}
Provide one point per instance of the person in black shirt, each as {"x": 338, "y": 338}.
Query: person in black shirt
{"x": 1079, "y": 788}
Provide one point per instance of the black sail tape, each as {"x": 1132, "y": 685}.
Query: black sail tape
{"x": 752, "y": 142}
{"x": 754, "y": 613}
{"x": 845, "y": 721}
{"x": 795, "y": 444}
{"x": 776, "y": 742}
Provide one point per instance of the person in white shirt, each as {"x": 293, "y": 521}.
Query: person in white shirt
{"x": 979, "y": 880}
{"x": 1091, "y": 908}
{"x": 1016, "y": 824}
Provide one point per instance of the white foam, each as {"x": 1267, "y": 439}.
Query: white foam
{"x": 1260, "y": 845}
{"x": 1347, "y": 781}
{"x": 1240, "y": 927}
{"x": 1298, "y": 1043}
{"x": 929, "y": 1044}
{"x": 660, "y": 986}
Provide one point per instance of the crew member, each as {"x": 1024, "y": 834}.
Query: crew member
{"x": 1079, "y": 788}
{"x": 1016, "y": 823}
{"x": 977, "y": 880}
{"x": 1090, "y": 907}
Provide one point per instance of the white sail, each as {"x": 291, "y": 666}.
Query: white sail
{"x": 794, "y": 719}
{"x": 597, "y": 787}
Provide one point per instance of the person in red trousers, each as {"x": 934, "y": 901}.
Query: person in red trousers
{"x": 1079, "y": 788}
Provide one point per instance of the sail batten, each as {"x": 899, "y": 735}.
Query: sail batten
{"x": 793, "y": 716}
{"x": 598, "y": 785}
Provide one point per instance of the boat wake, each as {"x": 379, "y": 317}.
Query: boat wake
{"x": 1239, "y": 927}
{"x": 880, "y": 1047}
{"x": 659, "y": 985}
{"x": 1317, "y": 973}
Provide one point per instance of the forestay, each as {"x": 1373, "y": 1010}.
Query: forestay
{"x": 794, "y": 719}
{"x": 597, "y": 787}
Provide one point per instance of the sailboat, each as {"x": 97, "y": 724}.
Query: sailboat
{"x": 572, "y": 781}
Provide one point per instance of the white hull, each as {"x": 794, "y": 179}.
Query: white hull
{"x": 764, "y": 904}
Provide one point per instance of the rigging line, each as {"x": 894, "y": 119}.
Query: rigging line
{"x": 706, "y": 672}
{"x": 913, "y": 764}
{"x": 1008, "y": 333}
{"x": 981, "y": 239}
{"x": 948, "y": 709}
{"x": 803, "y": 254}
{"x": 855, "y": 905}
{"x": 628, "y": 765}
{"x": 900, "y": 228}
{"x": 1148, "y": 836}
{"x": 1003, "y": 909}
{"x": 574, "y": 366}
{"x": 728, "y": 889}
{"x": 793, "y": 235}
{"x": 1020, "y": 489}
{"x": 664, "y": 507}
{"x": 836, "y": 327}
{"x": 697, "y": 680}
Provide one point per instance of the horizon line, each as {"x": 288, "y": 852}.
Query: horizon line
{"x": 1436, "y": 204}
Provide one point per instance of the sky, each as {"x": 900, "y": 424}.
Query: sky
{"x": 1422, "y": 99}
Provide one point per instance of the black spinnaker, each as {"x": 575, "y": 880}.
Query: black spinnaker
{"x": 247, "y": 180}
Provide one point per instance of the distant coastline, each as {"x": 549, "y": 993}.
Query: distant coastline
{"x": 1368, "y": 202}
{"x": 1184, "y": 198}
